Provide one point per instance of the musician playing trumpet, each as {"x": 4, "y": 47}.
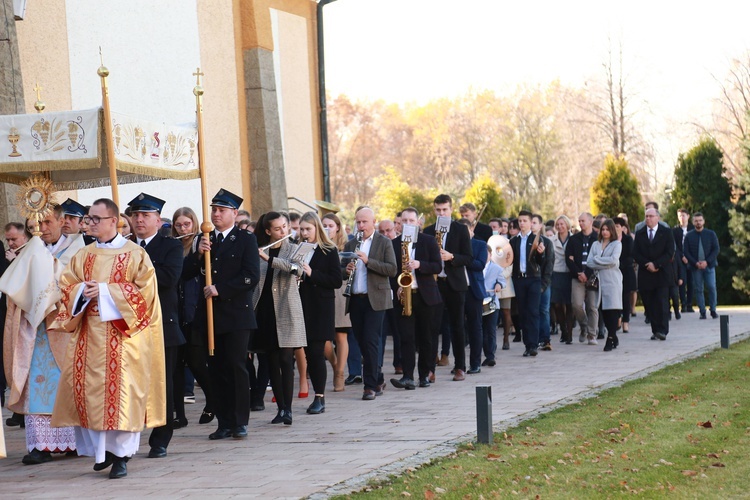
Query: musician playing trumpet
{"x": 370, "y": 296}
{"x": 421, "y": 258}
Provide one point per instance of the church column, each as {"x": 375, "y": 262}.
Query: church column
{"x": 11, "y": 97}
{"x": 267, "y": 179}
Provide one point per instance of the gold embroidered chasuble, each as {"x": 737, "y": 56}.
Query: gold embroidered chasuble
{"x": 113, "y": 376}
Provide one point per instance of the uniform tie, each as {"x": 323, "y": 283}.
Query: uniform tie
{"x": 143, "y": 243}
{"x": 220, "y": 238}
{"x": 650, "y": 234}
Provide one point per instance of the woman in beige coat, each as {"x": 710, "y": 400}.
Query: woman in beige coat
{"x": 278, "y": 311}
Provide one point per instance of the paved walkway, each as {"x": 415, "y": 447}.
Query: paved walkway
{"x": 355, "y": 440}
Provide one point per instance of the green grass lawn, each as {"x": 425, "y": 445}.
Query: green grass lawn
{"x": 683, "y": 431}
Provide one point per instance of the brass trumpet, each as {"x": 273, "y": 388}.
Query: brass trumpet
{"x": 405, "y": 279}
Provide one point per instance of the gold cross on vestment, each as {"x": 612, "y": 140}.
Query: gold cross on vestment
{"x": 38, "y": 90}
{"x": 198, "y": 74}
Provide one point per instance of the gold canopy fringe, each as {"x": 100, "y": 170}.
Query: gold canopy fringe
{"x": 159, "y": 173}
{"x": 49, "y": 165}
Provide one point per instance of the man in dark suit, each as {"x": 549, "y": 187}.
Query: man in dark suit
{"x": 370, "y": 296}
{"x": 456, "y": 255}
{"x": 474, "y": 298}
{"x": 416, "y": 330}
{"x": 528, "y": 265}
{"x": 166, "y": 256}
{"x": 653, "y": 250}
{"x": 680, "y": 231}
{"x": 481, "y": 231}
{"x": 235, "y": 272}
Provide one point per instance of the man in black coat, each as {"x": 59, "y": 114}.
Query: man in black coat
{"x": 654, "y": 250}
{"x": 166, "y": 256}
{"x": 416, "y": 330}
{"x": 680, "y": 231}
{"x": 528, "y": 268}
{"x": 456, "y": 254}
{"x": 235, "y": 272}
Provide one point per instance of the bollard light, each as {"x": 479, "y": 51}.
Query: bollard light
{"x": 724, "y": 324}
{"x": 484, "y": 414}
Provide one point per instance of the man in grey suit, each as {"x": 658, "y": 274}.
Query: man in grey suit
{"x": 370, "y": 296}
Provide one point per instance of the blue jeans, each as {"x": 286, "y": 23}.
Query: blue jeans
{"x": 544, "y": 327}
{"x": 708, "y": 277}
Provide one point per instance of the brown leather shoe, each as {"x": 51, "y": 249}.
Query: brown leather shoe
{"x": 459, "y": 375}
{"x": 444, "y": 361}
{"x": 368, "y": 395}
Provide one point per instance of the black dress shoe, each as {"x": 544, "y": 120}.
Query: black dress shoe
{"x": 119, "y": 468}
{"x": 526, "y": 353}
{"x": 677, "y": 315}
{"x": 239, "y": 432}
{"x": 36, "y": 457}
{"x": 660, "y": 336}
{"x": 108, "y": 460}
{"x": 287, "y": 417}
{"x": 424, "y": 382}
{"x": 491, "y": 362}
{"x": 368, "y": 395}
{"x": 258, "y": 407}
{"x": 318, "y": 406}
{"x": 15, "y": 420}
{"x": 157, "y": 452}
{"x": 474, "y": 371}
{"x": 533, "y": 352}
{"x": 648, "y": 321}
{"x": 220, "y": 434}
{"x": 353, "y": 379}
{"x": 403, "y": 383}
{"x": 484, "y": 363}
{"x": 517, "y": 337}
{"x": 279, "y": 418}
{"x": 179, "y": 423}
{"x": 206, "y": 417}
{"x": 714, "y": 315}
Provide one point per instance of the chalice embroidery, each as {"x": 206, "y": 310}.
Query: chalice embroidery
{"x": 13, "y": 138}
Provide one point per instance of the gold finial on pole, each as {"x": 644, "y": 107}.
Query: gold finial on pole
{"x": 103, "y": 73}
{"x": 206, "y": 226}
{"x": 39, "y": 104}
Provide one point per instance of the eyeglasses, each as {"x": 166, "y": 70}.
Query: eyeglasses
{"x": 95, "y": 219}
{"x": 186, "y": 225}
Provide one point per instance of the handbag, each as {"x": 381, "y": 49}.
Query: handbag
{"x": 592, "y": 283}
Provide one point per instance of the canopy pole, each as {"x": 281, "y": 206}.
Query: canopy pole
{"x": 103, "y": 73}
{"x": 206, "y": 226}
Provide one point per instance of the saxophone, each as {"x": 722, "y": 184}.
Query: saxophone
{"x": 350, "y": 281}
{"x": 405, "y": 278}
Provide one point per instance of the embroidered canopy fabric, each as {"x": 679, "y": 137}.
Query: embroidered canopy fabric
{"x": 71, "y": 146}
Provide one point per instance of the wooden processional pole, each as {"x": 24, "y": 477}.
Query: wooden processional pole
{"x": 103, "y": 73}
{"x": 206, "y": 226}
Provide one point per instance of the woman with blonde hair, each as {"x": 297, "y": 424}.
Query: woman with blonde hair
{"x": 561, "y": 281}
{"x": 195, "y": 351}
{"x": 127, "y": 229}
{"x": 335, "y": 231}
{"x": 322, "y": 276}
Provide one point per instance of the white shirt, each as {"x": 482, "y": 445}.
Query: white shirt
{"x": 522, "y": 257}
{"x": 147, "y": 240}
{"x": 360, "y": 276}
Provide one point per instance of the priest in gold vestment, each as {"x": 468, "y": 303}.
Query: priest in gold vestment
{"x": 113, "y": 377}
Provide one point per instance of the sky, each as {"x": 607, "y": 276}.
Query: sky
{"x": 417, "y": 50}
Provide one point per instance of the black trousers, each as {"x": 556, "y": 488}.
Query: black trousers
{"x": 656, "y": 303}
{"x": 453, "y": 304}
{"x": 161, "y": 436}
{"x": 416, "y": 335}
{"x": 229, "y": 379}
{"x": 473, "y": 308}
{"x": 316, "y": 365}
{"x": 281, "y": 369}
{"x": 528, "y": 295}
{"x": 367, "y": 325}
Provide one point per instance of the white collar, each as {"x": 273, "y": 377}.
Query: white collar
{"x": 118, "y": 242}
{"x": 225, "y": 232}
{"x": 147, "y": 240}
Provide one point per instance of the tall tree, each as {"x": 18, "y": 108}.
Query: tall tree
{"x": 700, "y": 185}
{"x": 485, "y": 190}
{"x": 615, "y": 190}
